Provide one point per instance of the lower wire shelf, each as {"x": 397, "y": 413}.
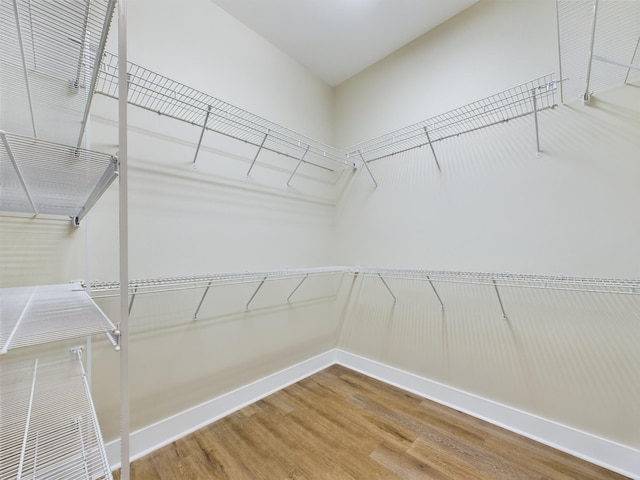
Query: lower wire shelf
{"x": 48, "y": 313}
{"x": 48, "y": 424}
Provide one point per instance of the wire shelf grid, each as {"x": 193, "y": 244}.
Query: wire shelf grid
{"x": 51, "y": 43}
{"x": 553, "y": 282}
{"x": 101, "y": 289}
{"x": 43, "y": 177}
{"x": 48, "y": 425}
{"x": 499, "y": 108}
{"x": 598, "y": 42}
{"x": 41, "y": 314}
{"x": 159, "y": 94}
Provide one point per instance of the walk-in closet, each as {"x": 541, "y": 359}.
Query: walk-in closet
{"x": 286, "y": 239}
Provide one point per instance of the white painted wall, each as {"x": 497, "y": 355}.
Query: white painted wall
{"x": 495, "y": 207}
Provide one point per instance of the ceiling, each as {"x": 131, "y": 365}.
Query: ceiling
{"x": 335, "y": 39}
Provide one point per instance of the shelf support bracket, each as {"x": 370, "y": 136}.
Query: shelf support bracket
{"x": 18, "y": 172}
{"x": 535, "y": 116}
{"x": 395, "y": 300}
{"x": 504, "y": 315}
{"x": 204, "y": 127}
{"x": 586, "y": 98}
{"x": 206, "y": 290}
{"x": 258, "y": 152}
{"x": 133, "y": 297}
{"x": 296, "y": 289}
{"x": 298, "y": 165}
{"x": 24, "y": 67}
{"x": 426, "y": 132}
{"x": 368, "y": 169}
{"x": 255, "y": 293}
{"x": 436, "y": 292}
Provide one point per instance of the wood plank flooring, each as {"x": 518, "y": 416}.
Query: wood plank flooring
{"x": 339, "y": 424}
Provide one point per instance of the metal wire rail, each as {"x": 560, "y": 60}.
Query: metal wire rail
{"x": 42, "y": 177}
{"x": 60, "y": 40}
{"x": 528, "y": 98}
{"x": 162, "y": 285}
{"x": 35, "y": 315}
{"x": 159, "y": 94}
{"x": 48, "y": 424}
{"x": 599, "y": 44}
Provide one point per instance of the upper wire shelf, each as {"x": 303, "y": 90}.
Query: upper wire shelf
{"x": 43, "y": 177}
{"x": 164, "y": 96}
{"x": 553, "y": 282}
{"x": 48, "y": 52}
{"x": 599, "y": 44}
{"x": 48, "y": 426}
{"x": 524, "y": 99}
{"x": 41, "y": 314}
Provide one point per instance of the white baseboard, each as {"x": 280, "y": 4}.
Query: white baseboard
{"x": 152, "y": 437}
{"x": 613, "y": 456}
{"x": 616, "y": 457}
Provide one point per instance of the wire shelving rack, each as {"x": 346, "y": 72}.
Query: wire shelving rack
{"x": 41, "y": 177}
{"x": 525, "y": 99}
{"x": 58, "y": 42}
{"x": 599, "y": 43}
{"x": 41, "y": 314}
{"x": 48, "y": 424}
{"x": 162, "y": 95}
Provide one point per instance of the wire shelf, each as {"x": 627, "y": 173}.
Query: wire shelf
{"x": 101, "y": 289}
{"x": 42, "y": 314}
{"x": 48, "y": 425}
{"x": 553, "y": 282}
{"x": 159, "y": 94}
{"x": 42, "y": 177}
{"x": 51, "y": 43}
{"x": 599, "y": 43}
{"x": 499, "y": 108}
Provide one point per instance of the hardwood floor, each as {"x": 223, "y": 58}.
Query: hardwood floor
{"x": 339, "y": 424}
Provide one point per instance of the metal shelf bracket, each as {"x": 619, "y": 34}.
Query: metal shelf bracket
{"x": 297, "y": 287}
{"x": 435, "y": 157}
{"x": 204, "y": 127}
{"x": 436, "y": 292}
{"x": 12, "y": 158}
{"x": 368, "y": 169}
{"x": 298, "y": 165}
{"x": 258, "y": 152}
{"x": 255, "y": 293}
{"x": 395, "y": 300}
{"x": 206, "y": 290}
{"x": 504, "y": 315}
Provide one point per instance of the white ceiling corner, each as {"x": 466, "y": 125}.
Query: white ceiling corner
{"x": 335, "y": 39}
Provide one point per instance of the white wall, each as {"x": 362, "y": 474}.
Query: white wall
{"x": 497, "y": 208}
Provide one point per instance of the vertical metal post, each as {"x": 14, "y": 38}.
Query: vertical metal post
{"x": 298, "y": 165}
{"x": 24, "y": 68}
{"x": 395, "y": 300}
{"x": 96, "y": 68}
{"x": 436, "y": 292}
{"x": 368, "y": 169}
{"x": 204, "y": 127}
{"x": 587, "y": 96}
{"x": 296, "y": 289}
{"x": 206, "y": 290}
{"x": 27, "y": 421}
{"x": 123, "y": 95}
{"x": 535, "y": 116}
{"x": 635, "y": 52}
{"x": 255, "y": 293}
{"x": 18, "y": 172}
{"x": 435, "y": 157}
{"x": 504, "y": 315}
{"x": 258, "y": 152}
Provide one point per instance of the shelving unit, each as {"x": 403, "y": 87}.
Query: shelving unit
{"x": 171, "y": 284}
{"x": 42, "y": 314}
{"x": 525, "y": 99}
{"x": 43, "y": 177}
{"x": 48, "y": 52}
{"x": 164, "y": 96}
{"x": 48, "y": 426}
{"x": 599, "y": 46}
